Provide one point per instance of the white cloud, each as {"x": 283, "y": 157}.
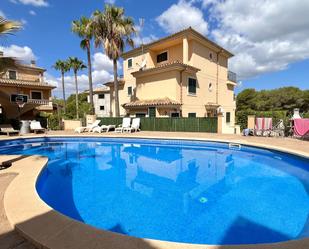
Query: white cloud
{"x": 265, "y": 36}
{"x": 102, "y": 73}
{"x": 2, "y": 14}
{"x": 110, "y": 1}
{"x": 182, "y": 15}
{"x": 36, "y": 3}
{"x": 138, "y": 40}
{"x": 32, "y": 12}
{"x": 22, "y": 53}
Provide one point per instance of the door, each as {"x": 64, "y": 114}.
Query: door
{"x": 152, "y": 112}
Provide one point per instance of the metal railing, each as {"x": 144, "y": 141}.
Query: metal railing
{"x": 231, "y": 76}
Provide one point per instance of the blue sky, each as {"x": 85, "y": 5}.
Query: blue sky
{"x": 270, "y": 40}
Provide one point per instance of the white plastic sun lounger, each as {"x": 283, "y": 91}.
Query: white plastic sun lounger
{"x": 126, "y": 122}
{"x": 36, "y": 127}
{"x": 135, "y": 125}
{"x": 104, "y": 128}
{"x": 88, "y": 128}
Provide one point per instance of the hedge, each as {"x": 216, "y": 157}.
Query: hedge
{"x": 242, "y": 117}
{"x": 171, "y": 124}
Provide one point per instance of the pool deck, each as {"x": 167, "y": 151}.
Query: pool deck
{"x": 24, "y": 215}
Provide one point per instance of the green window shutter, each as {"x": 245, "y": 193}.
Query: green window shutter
{"x": 152, "y": 112}
{"x": 228, "y": 117}
{"x": 130, "y": 63}
{"x": 192, "y": 86}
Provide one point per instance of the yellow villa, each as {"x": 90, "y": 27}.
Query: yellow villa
{"x": 182, "y": 75}
{"x": 26, "y": 82}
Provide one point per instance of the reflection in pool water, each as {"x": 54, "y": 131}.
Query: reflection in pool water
{"x": 175, "y": 191}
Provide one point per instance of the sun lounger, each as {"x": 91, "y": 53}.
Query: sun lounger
{"x": 263, "y": 127}
{"x": 278, "y": 130}
{"x": 135, "y": 125}
{"x": 88, "y": 128}
{"x": 126, "y": 122}
{"x": 104, "y": 128}
{"x": 8, "y": 130}
{"x": 36, "y": 127}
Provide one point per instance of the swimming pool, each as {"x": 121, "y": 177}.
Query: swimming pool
{"x": 192, "y": 192}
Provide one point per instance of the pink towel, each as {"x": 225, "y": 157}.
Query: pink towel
{"x": 263, "y": 123}
{"x": 301, "y": 126}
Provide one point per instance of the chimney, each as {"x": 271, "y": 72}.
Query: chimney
{"x": 32, "y": 63}
{"x": 1, "y": 53}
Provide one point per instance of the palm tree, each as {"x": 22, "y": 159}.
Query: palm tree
{"x": 63, "y": 67}
{"x": 83, "y": 29}
{"x": 75, "y": 64}
{"x": 7, "y": 27}
{"x": 112, "y": 30}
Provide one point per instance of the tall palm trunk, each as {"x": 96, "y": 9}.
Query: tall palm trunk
{"x": 90, "y": 77}
{"x": 63, "y": 92}
{"x": 76, "y": 96}
{"x": 117, "y": 113}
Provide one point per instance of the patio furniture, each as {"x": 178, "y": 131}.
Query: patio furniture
{"x": 126, "y": 122}
{"x": 88, "y": 128}
{"x": 8, "y": 130}
{"x": 36, "y": 127}
{"x": 103, "y": 128}
{"x": 135, "y": 125}
{"x": 301, "y": 128}
{"x": 24, "y": 127}
{"x": 263, "y": 127}
{"x": 278, "y": 129}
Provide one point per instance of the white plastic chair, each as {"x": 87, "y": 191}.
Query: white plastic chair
{"x": 126, "y": 123}
{"x": 136, "y": 122}
{"x": 88, "y": 128}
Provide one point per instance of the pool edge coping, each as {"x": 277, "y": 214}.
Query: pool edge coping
{"x": 26, "y": 211}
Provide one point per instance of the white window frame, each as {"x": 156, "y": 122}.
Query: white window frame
{"x": 131, "y": 58}
{"x": 162, "y": 62}
{"x": 100, "y": 108}
{"x": 38, "y": 91}
{"x": 101, "y": 94}
{"x": 191, "y": 94}
{"x": 192, "y": 117}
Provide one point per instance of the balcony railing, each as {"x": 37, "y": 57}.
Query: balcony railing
{"x": 40, "y": 101}
{"x": 231, "y": 76}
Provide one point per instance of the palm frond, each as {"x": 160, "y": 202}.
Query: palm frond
{"x": 8, "y": 26}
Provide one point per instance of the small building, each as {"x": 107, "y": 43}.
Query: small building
{"x": 24, "y": 82}
{"x": 181, "y": 75}
{"x": 101, "y": 101}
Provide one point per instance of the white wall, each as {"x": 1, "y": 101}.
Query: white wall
{"x": 101, "y": 102}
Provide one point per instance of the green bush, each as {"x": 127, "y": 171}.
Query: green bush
{"x": 242, "y": 117}
{"x": 53, "y": 122}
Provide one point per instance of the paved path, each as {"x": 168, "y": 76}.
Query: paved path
{"x": 9, "y": 239}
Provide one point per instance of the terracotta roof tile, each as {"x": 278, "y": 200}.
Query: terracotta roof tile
{"x": 23, "y": 83}
{"x": 152, "y": 102}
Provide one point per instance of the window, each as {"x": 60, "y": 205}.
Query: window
{"x": 130, "y": 62}
{"x": 102, "y": 107}
{"x": 162, "y": 57}
{"x": 140, "y": 115}
{"x": 210, "y": 56}
{"x": 36, "y": 95}
{"x": 130, "y": 91}
{"x": 191, "y": 115}
{"x": 210, "y": 87}
{"x": 192, "y": 86}
{"x": 152, "y": 112}
{"x": 228, "y": 117}
{"x": 101, "y": 96}
{"x": 175, "y": 115}
{"x": 12, "y": 75}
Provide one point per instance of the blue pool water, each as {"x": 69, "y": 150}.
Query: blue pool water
{"x": 191, "y": 192}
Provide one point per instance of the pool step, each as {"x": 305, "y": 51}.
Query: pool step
{"x": 235, "y": 146}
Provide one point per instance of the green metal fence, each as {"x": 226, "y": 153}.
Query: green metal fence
{"x": 171, "y": 124}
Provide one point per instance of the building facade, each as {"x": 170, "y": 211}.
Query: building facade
{"x": 26, "y": 81}
{"x": 101, "y": 101}
{"x": 182, "y": 75}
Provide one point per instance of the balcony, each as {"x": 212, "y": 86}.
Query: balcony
{"x": 40, "y": 102}
{"x": 231, "y": 76}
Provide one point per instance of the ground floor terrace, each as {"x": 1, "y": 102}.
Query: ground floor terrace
{"x": 27, "y": 222}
